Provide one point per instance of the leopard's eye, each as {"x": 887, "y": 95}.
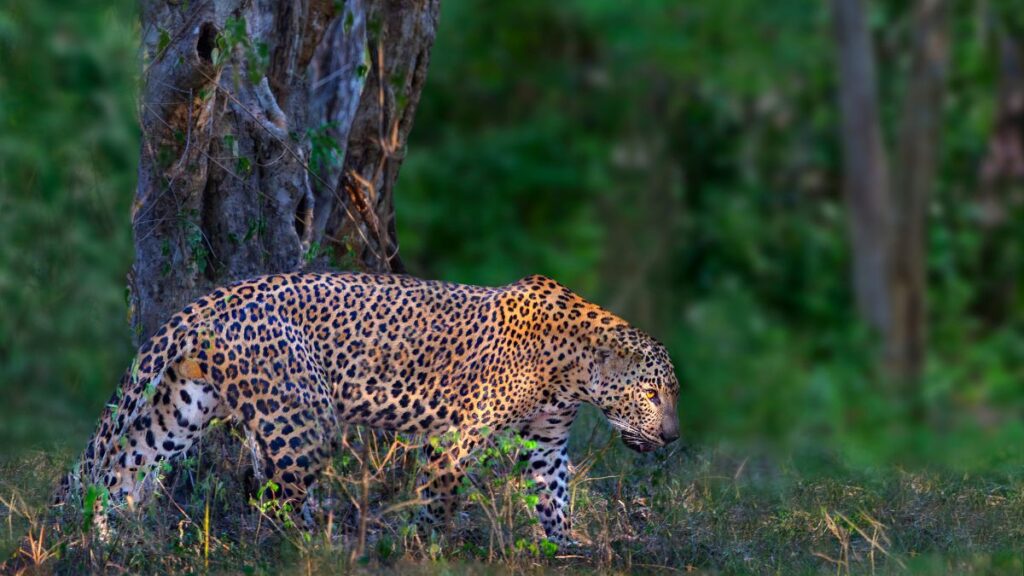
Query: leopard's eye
{"x": 650, "y": 393}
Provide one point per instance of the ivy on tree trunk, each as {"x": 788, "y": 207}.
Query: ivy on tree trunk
{"x": 272, "y": 137}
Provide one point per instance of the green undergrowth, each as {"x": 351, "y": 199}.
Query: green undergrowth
{"x": 714, "y": 509}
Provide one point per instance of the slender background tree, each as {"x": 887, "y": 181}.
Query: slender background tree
{"x": 888, "y": 206}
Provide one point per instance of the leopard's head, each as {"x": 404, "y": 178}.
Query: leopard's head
{"x": 635, "y": 385}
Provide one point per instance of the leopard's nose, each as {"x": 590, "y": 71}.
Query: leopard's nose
{"x": 669, "y": 423}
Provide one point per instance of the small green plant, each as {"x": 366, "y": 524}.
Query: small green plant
{"x": 195, "y": 239}
{"x": 163, "y": 41}
{"x": 243, "y": 166}
{"x": 95, "y": 497}
{"x": 236, "y": 36}
{"x": 349, "y": 19}
{"x": 347, "y": 259}
{"x": 256, "y": 228}
{"x": 496, "y": 489}
{"x": 312, "y": 253}
{"x": 324, "y": 150}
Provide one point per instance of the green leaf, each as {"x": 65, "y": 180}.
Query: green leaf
{"x": 150, "y": 390}
{"x": 93, "y": 493}
{"x": 548, "y": 547}
{"x": 164, "y": 41}
{"x": 243, "y": 165}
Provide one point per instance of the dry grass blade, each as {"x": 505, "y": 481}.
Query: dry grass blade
{"x": 876, "y": 540}
{"x": 842, "y": 536}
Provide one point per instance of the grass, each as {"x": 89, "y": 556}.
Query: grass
{"x": 722, "y": 509}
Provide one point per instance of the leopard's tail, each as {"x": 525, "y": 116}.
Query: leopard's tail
{"x": 173, "y": 343}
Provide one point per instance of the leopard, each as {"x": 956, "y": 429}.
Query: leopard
{"x": 294, "y": 357}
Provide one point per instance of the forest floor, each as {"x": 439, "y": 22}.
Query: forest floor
{"x": 707, "y": 510}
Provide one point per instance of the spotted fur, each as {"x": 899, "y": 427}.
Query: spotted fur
{"x": 293, "y": 357}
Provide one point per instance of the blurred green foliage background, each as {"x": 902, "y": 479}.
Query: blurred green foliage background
{"x": 677, "y": 162}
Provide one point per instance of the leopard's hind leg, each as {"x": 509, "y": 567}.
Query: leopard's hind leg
{"x": 283, "y": 398}
{"x": 295, "y": 440}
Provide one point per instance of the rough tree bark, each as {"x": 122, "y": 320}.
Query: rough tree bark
{"x": 888, "y": 212}
{"x": 273, "y": 133}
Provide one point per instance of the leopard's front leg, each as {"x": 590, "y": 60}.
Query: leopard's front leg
{"x": 548, "y": 466}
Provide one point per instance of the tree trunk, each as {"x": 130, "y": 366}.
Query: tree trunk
{"x": 914, "y": 181}
{"x": 865, "y": 165}
{"x": 1005, "y": 159}
{"x": 888, "y": 217}
{"x": 997, "y": 199}
{"x": 270, "y": 142}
